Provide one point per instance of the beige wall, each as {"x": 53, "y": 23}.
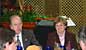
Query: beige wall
{"x": 52, "y": 8}
{"x": 76, "y": 9}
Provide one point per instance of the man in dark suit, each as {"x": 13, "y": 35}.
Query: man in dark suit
{"x": 61, "y": 37}
{"x": 26, "y": 37}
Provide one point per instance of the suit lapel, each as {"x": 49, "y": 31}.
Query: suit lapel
{"x": 23, "y": 39}
{"x": 57, "y": 38}
{"x": 66, "y": 38}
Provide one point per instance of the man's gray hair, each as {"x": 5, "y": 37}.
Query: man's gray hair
{"x": 82, "y": 34}
{"x": 13, "y": 17}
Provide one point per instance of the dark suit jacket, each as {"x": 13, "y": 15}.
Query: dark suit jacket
{"x": 53, "y": 37}
{"x": 28, "y": 38}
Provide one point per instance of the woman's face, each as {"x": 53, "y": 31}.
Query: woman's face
{"x": 82, "y": 45}
{"x": 60, "y": 27}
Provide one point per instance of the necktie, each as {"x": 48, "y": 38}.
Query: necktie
{"x": 18, "y": 41}
{"x": 19, "y": 47}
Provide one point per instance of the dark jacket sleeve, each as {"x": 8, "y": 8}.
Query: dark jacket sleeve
{"x": 74, "y": 42}
{"x": 33, "y": 39}
{"x": 29, "y": 38}
{"x": 51, "y": 39}
{"x": 72, "y": 38}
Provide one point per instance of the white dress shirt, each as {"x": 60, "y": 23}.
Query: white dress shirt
{"x": 62, "y": 39}
{"x": 20, "y": 38}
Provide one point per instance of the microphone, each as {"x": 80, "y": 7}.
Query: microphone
{"x": 33, "y": 47}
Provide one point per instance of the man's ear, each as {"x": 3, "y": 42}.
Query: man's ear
{"x": 11, "y": 27}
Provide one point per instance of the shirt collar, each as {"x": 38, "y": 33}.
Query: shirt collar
{"x": 62, "y": 34}
{"x": 18, "y": 34}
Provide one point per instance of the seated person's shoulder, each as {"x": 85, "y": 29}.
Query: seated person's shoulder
{"x": 33, "y": 47}
{"x": 27, "y": 31}
{"x": 70, "y": 34}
